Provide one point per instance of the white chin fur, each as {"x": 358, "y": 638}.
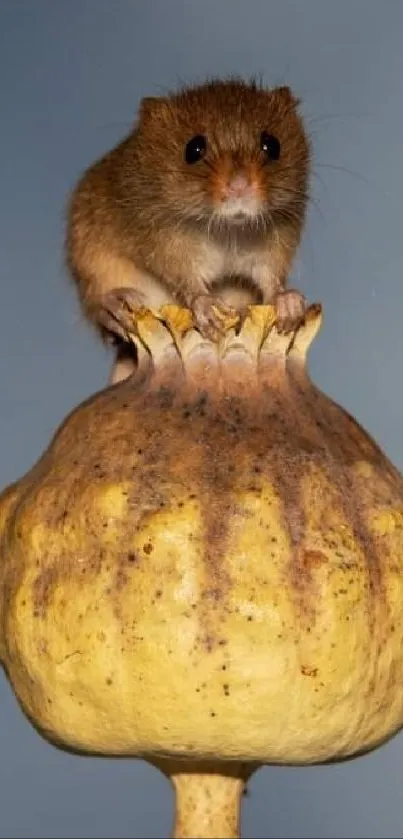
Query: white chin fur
{"x": 239, "y": 209}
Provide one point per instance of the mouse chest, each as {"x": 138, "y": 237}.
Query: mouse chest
{"x": 220, "y": 262}
{"x": 241, "y": 261}
{"x": 245, "y": 262}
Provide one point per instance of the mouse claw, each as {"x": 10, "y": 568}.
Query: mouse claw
{"x": 290, "y": 308}
{"x": 116, "y": 310}
{"x": 212, "y": 316}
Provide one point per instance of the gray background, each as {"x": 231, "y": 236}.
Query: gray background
{"x": 71, "y": 77}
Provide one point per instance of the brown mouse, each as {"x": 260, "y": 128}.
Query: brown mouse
{"x": 202, "y": 204}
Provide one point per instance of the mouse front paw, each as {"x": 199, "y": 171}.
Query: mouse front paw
{"x": 290, "y": 308}
{"x": 212, "y": 316}
{"x": 115, "y": 312}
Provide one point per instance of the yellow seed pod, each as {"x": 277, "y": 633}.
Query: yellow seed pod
{"x": 204, "y": 569}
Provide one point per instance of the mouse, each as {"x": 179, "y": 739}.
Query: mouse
{"x": 202, "y": 204}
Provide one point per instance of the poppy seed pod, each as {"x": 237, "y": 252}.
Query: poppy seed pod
{"x": 204, "y": 569}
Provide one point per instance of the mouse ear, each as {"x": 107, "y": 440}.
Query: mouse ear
{"x": 152, "y": 106}
{"x": 288, "y": 96}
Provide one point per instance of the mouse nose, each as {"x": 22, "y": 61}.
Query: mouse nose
{"x": 238, "y": 186}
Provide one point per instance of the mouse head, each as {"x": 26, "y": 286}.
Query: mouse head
{"x": 225, "y": 154}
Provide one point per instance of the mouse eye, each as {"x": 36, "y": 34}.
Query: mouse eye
{"x": 270, "y": 145}
{"x": 195, "y": 149}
